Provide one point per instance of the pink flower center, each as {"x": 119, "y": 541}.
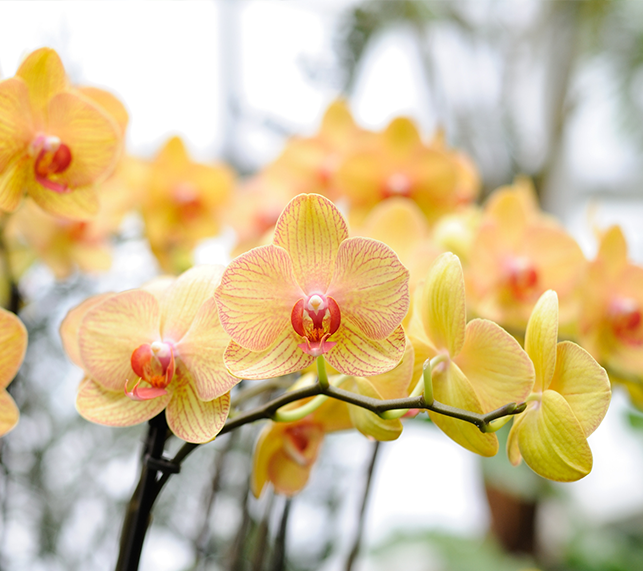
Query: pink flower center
{"x": 398, "y": 184}
{"x": 154, "y": 364}
{"x": 188, "y": 201}
{"x": 316, "y": 318}
{"x": 624, "y": 315}
{"x": 52, "y": 158}
{"x": 521, "y": 277}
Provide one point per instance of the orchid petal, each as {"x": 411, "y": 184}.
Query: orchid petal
{"x": 360, "y": 356}
{"x": 108, "y": 103}
{"x": 80, "y": 204}
{"x": 44, "y": 74}
{"x": 370, "y": 286}
{"x": 201, "y": 351}
{"x": 112, "y": 330}
{"x": 333, "y": 416}
{"x": 311, "y": 229}
{"x": 70, "y": 327}
{"x": 443, "y": 304}
{"x": 583, "y": 383}
{"x": 13, "y": 183}
{"x": 513, "y": 449}
{"x": 9, "y": 413}
{"x": 192, "y": 419}
{"x": 612, "y": 252}
{"x": 256, "y": 297}
{"x": 541, "y": 338}
{"x": 495, "y": 364}
{"x": 451, "y": 387}
{"x": 401, "y": 136}
{"x": 287, "y": 477}
{"x": 114, "y": 408}
{"x": 270, "y": 441}
{"x": 13, "y": 340}
{"x": 16, "y": 123}
{"x": 396, "y": 383}
{"x": 182, "y": 300}
{"x": 367, "y": 422}
{"x": 552, "y": 441}
{"x": 281, "y": 358}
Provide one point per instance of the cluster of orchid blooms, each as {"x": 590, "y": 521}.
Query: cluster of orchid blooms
{"x": 404, "y": 308}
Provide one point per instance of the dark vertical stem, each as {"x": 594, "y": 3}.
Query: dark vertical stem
{"x": 352, "y": 556}
{"x": 279, "y": 553}
{"x": 261, "y": 543}
{"x": 237, "y": 550}
{"x": 137, "y": 517}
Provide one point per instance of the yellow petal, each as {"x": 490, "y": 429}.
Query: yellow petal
{"x": 192, "y": 419}
{"x": 112, "y": 330}
{"x": 541, "y": 338}
{"x": 16, "y": 122}
{"x": 270, "y": 441}
{"x": 612, "y": 252}
{"x": 360, "y": 356}
{"x": 80, "y": 204}
{"x": 288, "y": 477}
{"x": 13, "y": 340}
{"x": 513, "y": 450}
{"x": 333, "y": 416}
{"x": 256, "y": 297}
{"x": 401, "y": 135}
{"x": 583, "y": 383}
{"x": 282, "y": 357}
{"x": 71, "y": 325}
{"x": 442, "y": 304}
{"x": 495, "y": 364}
{"x": 181, "y": 301}
{"x": 108, "y": 103}
{"x": 9, "y": 413}
{"x": 201, "y": 351}
{"x": 396, "y": 383}
{"x": 114, "y": 408}
{"x": 92, "y": 136}
{"x": 13, "y": 184}
{"x": 367, "y": 422}
{"x": 552, "y": 441}
{"x": 370, "y": 286}
{"x": 44, "y": 74}
{"x": 451, "y": 387}
{"x": 311, "y": 229}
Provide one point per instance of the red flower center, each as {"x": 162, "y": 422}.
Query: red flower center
{"x": 624, "y": 315}
{"x": 301, "y": 443}
{"x": 398, "y": 184}
{"x": 154, "y": 364}
{"x": 521, "y": 277}
{"x": 52, "y": 158}
{"x": 316, "y": 318}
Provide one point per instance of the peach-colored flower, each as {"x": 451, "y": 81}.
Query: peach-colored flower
{"x": 152, "y": 349}
{"x": 313, "y": 292}
{"x": 55, "y": 142}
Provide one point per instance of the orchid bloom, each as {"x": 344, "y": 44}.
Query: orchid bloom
{"x": 478, "y": 366}
{"x": 183, "y": 204}
{"x": 314, "y": 291}
{"x": 13, "y": 339}
{"x": 570, "y": 398}
{"x": 55, "y": 142}
{"x": 518, "y": 253}
{"x": 610, "y": 323}
{"x": 152, "y": 349}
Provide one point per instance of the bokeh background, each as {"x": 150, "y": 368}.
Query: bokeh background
{"x": 550, "y": 89}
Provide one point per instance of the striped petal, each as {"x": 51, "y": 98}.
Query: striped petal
{"x": 9, "y": 413}
{"x": 181, "y": 302}
{"x": 451, "y": 387}
{"x": 114, "y": 408}
{"x": 495, "y": 364}
{"x": 396, "y": 383}
{"x": 311, "y": 229}
{"x": 442, "y": 305}
{"x": 283, "y": 357}
{"x": 70, "y": 327}
{"x": 201, "y": 351}
{"x": 81, "y": 204}
{"x": 256, "y": 297}
{"x": 367, "y": 422}
{"x": 13, "y": 340}
{"x": 44, "y": 74}
{"x": 14, "y": 183}
{"x": 192, "y": 419}
{"x": 108, "y": 103}
{"x": 541, "y": 338}
{"x": 370, "y": 285}
{"x": 552, "y": 441}
{"x": 360, "y": 356}
{"x": 16, "y": 122}
{"x": 583, "y": 383}
{"x": 111, "y": 332}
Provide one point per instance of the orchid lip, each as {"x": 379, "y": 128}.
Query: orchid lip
{"x": 316, "y": 318}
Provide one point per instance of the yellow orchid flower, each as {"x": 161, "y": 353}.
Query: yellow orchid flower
{"x": 478, "y": 367}
{"x": 570, "y": 398}
{"x": 13, "y": 339}
{"x": 183, "y": 204}
{"x": 55, "y": 142}
{"x": 398, "y": 163}
{"x": 517, "y": 254}
{"x": 150, "y": 349}
{"x": 314, "y": 291}
{"x": 610, "y": 323}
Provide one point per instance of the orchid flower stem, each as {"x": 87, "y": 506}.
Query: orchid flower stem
{"x": 322, "y": 376}
{"x": 301, "y": 412}
{"x": 427, "y": 377}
